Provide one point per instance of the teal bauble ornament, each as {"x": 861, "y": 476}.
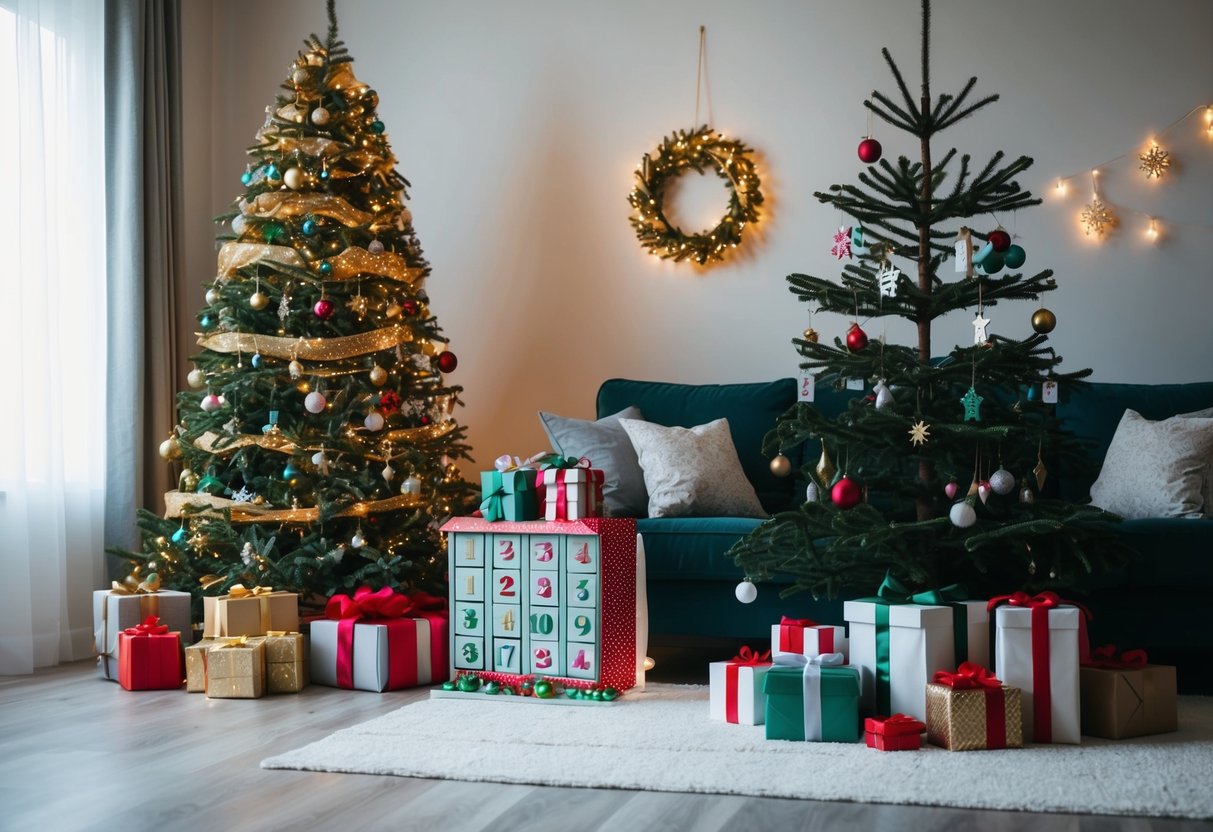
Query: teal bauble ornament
{"x": 1014, "y": 257}
{"x": 377, "y": 126}
{"x": 309, "y": 227}
{"x": 272, "y": 174}
{"x": 324, "y": 174}
{"x": 246, "y": 178}
{"x": 206, "y": 322}
{"x": 290, "y": 473}
{"x": 179, "y": 537}
{"x": 326, "y": 268}
{"x": 992, "y": 263}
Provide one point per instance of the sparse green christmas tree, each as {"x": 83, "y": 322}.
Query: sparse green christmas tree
{"x": 318, "y": 441}
{"x": 975, "y": 415}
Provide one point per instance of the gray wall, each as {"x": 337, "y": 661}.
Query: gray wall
{"x": 519, "y": 125}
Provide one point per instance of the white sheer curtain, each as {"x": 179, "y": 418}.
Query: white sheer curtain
{"x": 52, "y": 335}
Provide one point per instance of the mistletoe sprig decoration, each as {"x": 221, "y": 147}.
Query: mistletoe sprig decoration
{"x": 699, "y": 150}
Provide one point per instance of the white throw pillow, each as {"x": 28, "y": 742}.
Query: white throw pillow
{"x": 1206, "y": 490}
{"x": 1155, "y": 469}
{"x": 692, "y": 472}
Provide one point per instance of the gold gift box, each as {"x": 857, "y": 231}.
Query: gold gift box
{"x": 1128, "y": 703}
{"x": 285, "y": 667}
{"x": 195, "y": 665}
{"x": 236, "y": 669}
{"x": 956, "y": 719}
{"x": 252, "y": 614}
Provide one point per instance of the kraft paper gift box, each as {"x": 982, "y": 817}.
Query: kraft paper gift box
{"x": 807, "y": 638}
{"x": 1127, "y": 698}
{"x": 383, "y": 654}
{"x": 570, "y": 493}
{"x": 149, "y": 657}
{"x": 1046, "y": 638}
{"x": 918, "y": 640}
{"x": 285, "y": 662}
{"x": 115, "y": 610}
{"x": 249, "y": 612}
{"x": 236, "y": 668}
{"x": 736, "y": 688}
{"x": 812, "y": 702}
{"x": 195, "y": 665}
{"x": 509, "y": 495}
{"x": 973, "y": 710}
{"x": 893, "y": 733}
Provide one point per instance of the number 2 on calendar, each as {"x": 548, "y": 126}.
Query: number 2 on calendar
{"x": 507, "y": 586}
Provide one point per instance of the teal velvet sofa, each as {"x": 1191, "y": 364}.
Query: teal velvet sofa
{"x": 1157, "y": 602}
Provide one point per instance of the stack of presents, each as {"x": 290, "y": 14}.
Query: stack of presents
{"x": 909, "y": 664}
{"x": 251, "y": 644}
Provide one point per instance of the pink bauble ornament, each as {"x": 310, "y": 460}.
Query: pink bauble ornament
{"x": 846, "y": 493}
{"x": 869, "y": 151}
{"x": 323, "y": 309}
{"x": 211, "y": 403}
{"x": 983, "y": 491}
{"x": 950, "y": 489}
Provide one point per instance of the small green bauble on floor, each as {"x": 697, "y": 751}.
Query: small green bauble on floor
{"x": 609, "y": 694}
{"x": 544, "y": 689}
{"x": 492, "y": 688}
{"x": 468, "y": 684}
{"x": 448, "y": 685}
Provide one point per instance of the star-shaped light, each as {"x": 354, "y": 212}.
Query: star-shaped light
{"x": 920, "y": 433}
{"x": 972, "y": 404}
{"x": 888, "y": 281}
{"x": 1155, "y": 162}
{"x": 979, "y": 329}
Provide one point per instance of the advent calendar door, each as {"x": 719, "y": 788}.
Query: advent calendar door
{"x": 583, "y": 603}
{"x": 467, "y": 571}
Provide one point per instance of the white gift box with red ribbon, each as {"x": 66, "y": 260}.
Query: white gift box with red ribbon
{"x": 570, "y": 493}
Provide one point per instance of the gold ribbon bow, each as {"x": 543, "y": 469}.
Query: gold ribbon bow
{"x": 280, "y": 633}
{"x": 241, "y": 591}
{"x": 131, "y": 585}
{"x": 230, "y": 641}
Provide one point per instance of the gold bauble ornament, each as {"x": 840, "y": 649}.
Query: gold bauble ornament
{"x": 1043, "y": 321}
{"x": 781, "y": 466}
{"x": 811, "y": 335}
{"x": 169, "y": 449}
{"x": 378, "y": 376}
{"x": 196, "y": 378}
{"x": 293, "y": 178}
{"x": 258, "y": 300}
{"x": 825, "y": 467}
{"x": 258, "y": 500}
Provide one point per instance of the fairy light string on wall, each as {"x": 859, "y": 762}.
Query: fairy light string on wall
{"x": 1154, "y": 163}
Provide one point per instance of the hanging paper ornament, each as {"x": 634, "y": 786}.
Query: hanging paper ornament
{"x": 781, "y": 466}
{"x": 842, "y": 243}
{"x": 979, "y": 329}
{"x": 294, "y": 368}
{"x": 180, "y": 537}
{"x": 324, "y": 309}
{"x": 373, "y": 421}
{"x": 293, "y": 178}
{"x": 321, "y": 461}
{"x": 315, "y": 402}
{"x": 825, "y": 467}
{"x": 272, "y": 174}
{"x": 870, "y": 151}
{"x": 1000, "y": 239}
{"x": 210, "y": 484}
{"x": 196, "y": 378}
{"x": 746, "y": 592}
{"x": 258, "y": 300}
{"x": 812, "y": 494}
{"x": 375, "y": 247}
{"x": 857, "y": 339}
{"x": 1015, "y": 257}
{"x": 962, "y": 515}
{"x": 888, "y": 281}
{"x": 169, "y": 449}
{"x": 951, "y": 488}
{"x": 256, "y": 361}
{"x": 378, "y": 376}
{"x": 1002, "y": 481}
{"x": 1040, "y": 472}
{"x": 983, "y": 491}
{"x": 447, "y": 362}
{"x": 320, "y": 116}
{"x": 211, "y": 403}
{"x": 1043, "y": 321}
{"x": 884, "y": 396}
{"x": 1097, "y": 216}
{"x": 846, "y": 493}
{"x": 1155, "y": 162}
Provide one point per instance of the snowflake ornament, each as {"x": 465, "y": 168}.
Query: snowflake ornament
{"x": 284, "y": 307}
{"x": 888, "y": 281}
{"x": 243, "y": 495}
{"x": 1097, "y": 216}
{"x": 1155, "y": 162}
{"x": 920, "y": 433}
{"x": 842, "y": 243}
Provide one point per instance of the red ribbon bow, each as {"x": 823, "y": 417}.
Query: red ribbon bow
{"x": 383, "y": 603}
{"x": 151, "y": 626}
{"x": 902, "y": 724}
{"x": 1109, "y": 657}
{"x": 389, "y": 607}
{"x": 968, "y": 676}
{"x": 750, "y": 657}
{"x": 784, "y": 621}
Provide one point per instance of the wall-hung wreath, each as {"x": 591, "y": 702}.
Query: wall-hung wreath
{"x": 699, "y": 150}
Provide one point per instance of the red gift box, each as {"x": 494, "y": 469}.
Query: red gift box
{"x": 149, "y": 657}
{"x": 893, "y": 733}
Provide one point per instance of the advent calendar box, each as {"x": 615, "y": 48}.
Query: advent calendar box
{"x": 553, "y": 599}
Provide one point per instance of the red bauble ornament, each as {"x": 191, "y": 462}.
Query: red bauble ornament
{"x": 857, "y": 339}
{"x": 323, "y": 309}
{"x": 869, "y": 151}
{"x": 410, "y": 307}
{"x": 846, "y": 493}
{"x": 1000, "y": 239}
{"x": 447, "y": 362}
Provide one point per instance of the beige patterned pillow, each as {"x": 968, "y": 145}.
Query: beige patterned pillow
{"x": 1155, "y": 469}
{"x": 692, "y": 472}
{"x": 1206, "y": 490}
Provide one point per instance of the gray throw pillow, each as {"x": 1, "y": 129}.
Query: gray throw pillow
{"x": 605, "y": 443}
{"x": 1206, "y": 490}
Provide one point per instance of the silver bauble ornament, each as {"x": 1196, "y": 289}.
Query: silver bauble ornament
{"x": 411, "y": 485}
{"x": 1026, "y": 495}
{"x": 169, "y": 449}
{"x": 300, "y": 76}
{"x": 812, "y": 494}
{"x": 373, "y": 421}
{"x": 884, "y": 396}
{"x": 239, "y": 224}
{"x": 1002, "y": 481}
{"x": 320, "y": 116}
{"x": 357, "y": 541}
{"x": 315, "y": 402}
{"x": 212, "y": 296}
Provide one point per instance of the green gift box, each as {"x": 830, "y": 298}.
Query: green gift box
{"x": 832, "y": 717}
{"x": 509, "y": 495}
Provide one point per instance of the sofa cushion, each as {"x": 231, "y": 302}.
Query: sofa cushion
{"x": 606, "y": 444}
{"x": 692, "y": 471}
{"x": 1172, "y": 553}
{"x": 692, "y": 548}
{"x": 1155, "y": 469}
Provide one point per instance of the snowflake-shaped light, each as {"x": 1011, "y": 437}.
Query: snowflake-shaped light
{"x": 1155, "y": 162}
{"x": 842, "y": 243}
{"x": 1097, "y": 216}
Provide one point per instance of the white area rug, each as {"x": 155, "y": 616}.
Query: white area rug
{"x": 662, "y": 740}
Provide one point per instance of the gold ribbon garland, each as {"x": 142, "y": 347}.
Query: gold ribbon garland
{"x": 277, "y": 204}
{"x": 354, "y": 262}
{"x": 234, "y": 256}
{"x": 204, "y": 505}
{"x": 313, "y": 349}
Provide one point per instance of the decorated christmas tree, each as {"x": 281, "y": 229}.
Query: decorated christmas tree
{"x": 938, "y": 471}
{"x": 317, "y": 442}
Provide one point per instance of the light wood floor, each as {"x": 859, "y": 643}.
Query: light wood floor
{"x": 77, "y": 752}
